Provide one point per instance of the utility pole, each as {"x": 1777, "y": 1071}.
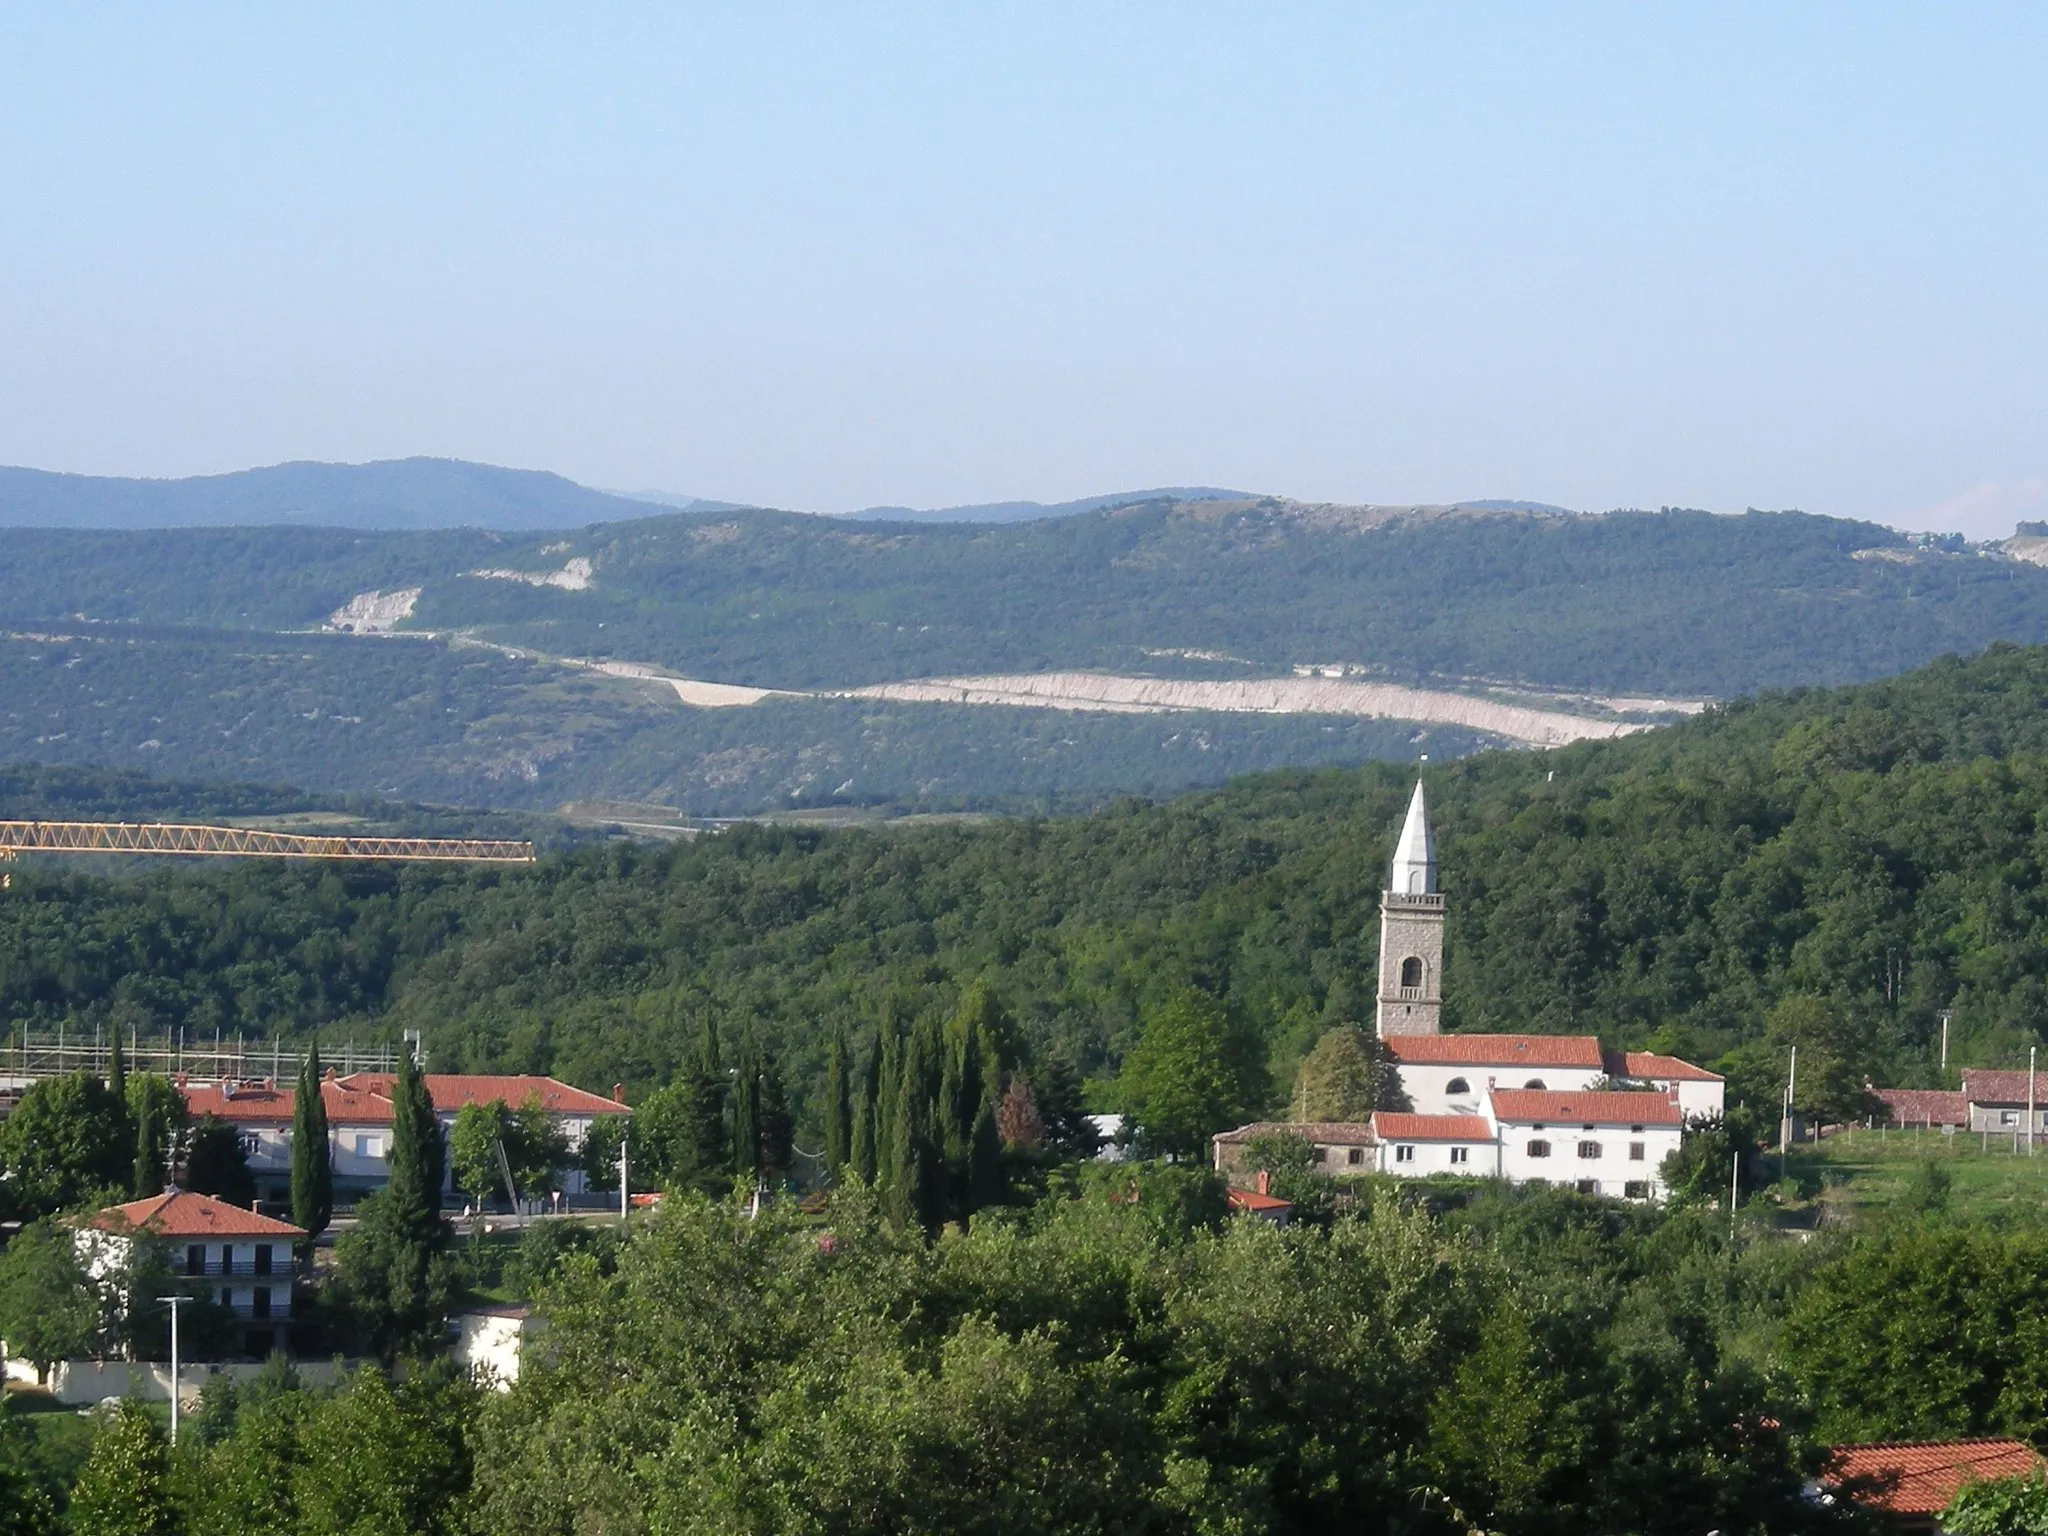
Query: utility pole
{"x": 1734, "y": 1196}
{"x": 2031, "y": 1125}
{"x": 1785, "y": 1121}
{"x": 625, "y": 1200}
{"x": 1946, "y": 1015}
{"x": 175, "y": 1302}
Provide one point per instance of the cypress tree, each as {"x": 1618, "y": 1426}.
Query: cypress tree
{"x": 908, "y": 1196}
{"x": 862, "y": 1151}
{"x": 888, "y": 1084}
{"x": 312, "y": 1157}
{"x": 418, "y": 1158}
{"x": 777, "y": 1125}
{"x": 117, "y": 1070}
{"x": 712, "y": 1148}
{"x": 985, "y": 1182}
{"x": 746, "y": 1112}
{"x": 838, "y": 1104}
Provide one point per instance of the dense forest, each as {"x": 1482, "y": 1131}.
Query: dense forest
{"x": 1830, "y": 869}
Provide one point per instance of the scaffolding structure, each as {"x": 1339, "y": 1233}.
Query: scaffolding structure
{"x": 29, "y": 1055}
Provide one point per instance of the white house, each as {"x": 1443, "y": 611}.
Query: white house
{"x": 1416, "y": 1146}
{"x": 1599, "y": 1143}
{"x": 241, "y": 1260}
{"x": 360, "y": 1115}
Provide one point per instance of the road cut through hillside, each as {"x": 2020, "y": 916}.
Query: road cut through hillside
{"x": 1274, "y": 695}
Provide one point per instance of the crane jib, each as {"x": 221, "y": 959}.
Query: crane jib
{"x": 244, "y": 842}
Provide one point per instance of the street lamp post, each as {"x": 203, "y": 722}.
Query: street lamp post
{"x": 174, "y": 1302}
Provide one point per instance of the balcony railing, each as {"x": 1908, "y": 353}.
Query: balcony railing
{"x": 280, "y": 1269}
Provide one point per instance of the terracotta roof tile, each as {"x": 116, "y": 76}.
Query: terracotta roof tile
{"x": 451, "y": 1091}
{"x": 1524, "y": 1106}
{"x": 1329, "y": 1133}
{"x": 1982, "y": 1087}
{"x": 1920, "y": 1478}
{"x": 1648, "y": 1064}
{"x": 181, "y": 1213}
{"x": 1495, "y": 1050}
{"x": 1252, "y": 1200}
{"x": 1923, "y": 1106}
{"x": 1388, "y": 1125}
{"x": 365, "y": 1098}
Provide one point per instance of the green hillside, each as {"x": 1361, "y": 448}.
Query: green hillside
{"x": 1679, "y": 602}
{"x": 198, "y": 652}
{"x": 1826, "y": 869}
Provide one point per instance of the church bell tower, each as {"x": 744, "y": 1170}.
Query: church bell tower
{"x": 1412, "y": 932}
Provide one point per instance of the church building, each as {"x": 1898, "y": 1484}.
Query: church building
{"x": 1559, "y": 1109}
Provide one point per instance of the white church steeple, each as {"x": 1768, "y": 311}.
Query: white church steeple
{"x": 1411, "y": 989}
{"x": 1414, "y": 871}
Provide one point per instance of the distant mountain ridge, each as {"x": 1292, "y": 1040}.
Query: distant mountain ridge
{"x": 391, "y": 494}
{"x": 1032, "y": 511}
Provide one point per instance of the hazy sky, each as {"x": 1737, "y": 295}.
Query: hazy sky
{"x": 829, "y": 255}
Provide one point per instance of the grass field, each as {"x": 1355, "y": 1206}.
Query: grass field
{"x": 1853, "y": 1172}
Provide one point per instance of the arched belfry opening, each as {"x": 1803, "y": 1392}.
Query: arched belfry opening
{"x": 1411, "y": 972}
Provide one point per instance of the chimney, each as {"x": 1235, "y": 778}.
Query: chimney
{"x": 618, "y": 1093}
{"x": 1265, "y": 1182}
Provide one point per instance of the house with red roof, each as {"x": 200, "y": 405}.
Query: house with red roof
{"x": 360, "y": 1115}
{"x": 240, "y": 1260}
{"x": 2003, "y": 1101}
{"x": 1913, "y": 1482}
{"x": 1599, "y": 1141}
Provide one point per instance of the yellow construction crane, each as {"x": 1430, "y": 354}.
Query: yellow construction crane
{"x": 19, "y": 837}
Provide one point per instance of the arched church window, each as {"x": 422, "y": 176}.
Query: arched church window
{"x": 1535, "y": 1083}
{"x": 1457, "y": 1085}
{"x": 1411, "y": 972}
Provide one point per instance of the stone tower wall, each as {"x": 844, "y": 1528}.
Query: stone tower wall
{"x": 1411, "y": 926}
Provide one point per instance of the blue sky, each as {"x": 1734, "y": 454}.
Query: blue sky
{"x": 824, "y": 256}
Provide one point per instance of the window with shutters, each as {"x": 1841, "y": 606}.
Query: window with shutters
{"x": 1539, "y": 1149}
{"x": 1589, "y": 1149}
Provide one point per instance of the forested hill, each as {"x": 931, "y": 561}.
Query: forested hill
{"x": 1669, "y": 603}
{"x": 1827, "y": 869}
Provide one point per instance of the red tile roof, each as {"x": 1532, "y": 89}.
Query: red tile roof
{"x": 1390, "y": 1126}
{"x": 1329, "y": 1133}
{"x": 365, "y": 1098}
{"x": 1981, "y": 1087}
{"x": 1921, "y": 1478}
{"x": 1648, "y": 1064}
{"x": 180, "y": 1213}
{"x": 1923, "y": 1106}
{"x": 1526, "y": 1106}
{"x": 246, "y": 1101}
{"x": 450, "y": 1091}
{"x": 1252, "y": 1200}
{"x": 1495, "y": 1051}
